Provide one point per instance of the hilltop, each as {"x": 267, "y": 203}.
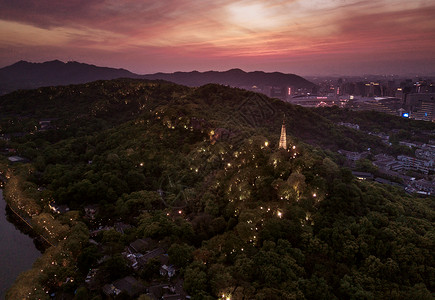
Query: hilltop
{"x": 112, "y": 102}
{"x": 196, "y": 173}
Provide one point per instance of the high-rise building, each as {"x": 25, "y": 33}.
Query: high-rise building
{"x": 421, "y": 106}
{"x": 283, "y": 138}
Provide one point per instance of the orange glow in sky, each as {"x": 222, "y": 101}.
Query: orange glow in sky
{"x": 305, "y": 37}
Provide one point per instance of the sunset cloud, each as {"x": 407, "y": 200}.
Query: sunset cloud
{"x": 247, "y": 33}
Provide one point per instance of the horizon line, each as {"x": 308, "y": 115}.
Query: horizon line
{"x": 413, "y": 74}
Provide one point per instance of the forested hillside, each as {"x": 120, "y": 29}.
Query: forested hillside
{"x": 198, "y": 172}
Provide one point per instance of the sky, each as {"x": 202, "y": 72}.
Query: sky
{"x": 304, "y": 37}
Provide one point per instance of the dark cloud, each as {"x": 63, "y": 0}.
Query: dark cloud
{"x": 392, "y": 31}
{"x": 100, "y": 14}
{"x": 47, "y": 13}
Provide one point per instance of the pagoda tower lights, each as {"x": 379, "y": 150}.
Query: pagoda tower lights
{"x": 283, "y": 138}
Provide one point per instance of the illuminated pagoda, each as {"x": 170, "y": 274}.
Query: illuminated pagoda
{"x": 283, "y": 138}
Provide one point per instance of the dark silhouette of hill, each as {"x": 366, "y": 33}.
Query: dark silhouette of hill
{"x": 233, "y": 77}
{"x": 117, "y": 101}
{"x": 27, "y": 75}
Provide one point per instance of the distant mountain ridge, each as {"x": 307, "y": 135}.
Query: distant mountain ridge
{"x": 27, "y": 75}
{"x": 233, "y": 77}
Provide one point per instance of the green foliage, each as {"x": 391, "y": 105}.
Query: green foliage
{"x": 81, "y": 293}
{"x": 150, "y": 269}
{"x": 88, "y": 258}
{"x": 239, "y": 216}
{"x": 180, "y": 254}
{"x": 195, "y": 280}
{"x": 115, "y": 267}
{"x": 371, "y": 121}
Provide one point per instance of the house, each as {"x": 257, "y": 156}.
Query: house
{"x": 140, "y": 245}
{"x": 132, "y": 259}
{"x": 354, "y": 156}
{"x": 173, "y": 297}
{"x": 91, "y": 211}
{"x": 60, "y": 209}
{"x": 411, "y": 163}
{"x": 383, "y": 181}
{"x": 169, "y": 292}
{"x": 121, "y": 227}
{"x": 363, "y": 175}
{"x": 95, "y": 232}
{"x": 130, "y": 286}
{"x": 425, "y": 186}
{"x": 151, "y": 296}
{"x": 384, "y": 161}
{"x": 166, "y": 270}
{"x": 176, "y": 292}
{"x": 157, "y": 290}
{"x": 90, "y": 279}
{"x": 16, "y": 159}
{"x": 45, "y": 125}
{"x": 110, "y": 290}
{"x": 154, "y": 253}
{"x": 350, "y": 125}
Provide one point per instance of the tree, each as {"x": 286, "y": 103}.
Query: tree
{"x": 87, "y": 258}
{"x": 81, "y": 293}
{"x": 150, "y": 269}
{"x": 195, "y": 280}
{"x": 115, "y": 267}
{"x": 180, "y": 254}
{"x": 144, "y": 297}
{"x": 220, "y": 279}
{"x": 297, "y": 182}
{"x": 365, "y": 165}
{"x": 112, "y": 241}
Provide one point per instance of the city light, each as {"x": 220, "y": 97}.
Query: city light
{"x": 226, "y": 297}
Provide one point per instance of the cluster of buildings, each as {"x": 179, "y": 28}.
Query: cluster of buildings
{"x": 138, "y": 254}
{"x": 166, "y": 285}
{"x": 133, "y": 288}
{"x": 392, "y": 95}
{"x": 423, "y": 162}
{"x": 400, "y": 167}
{"x": 284, "y": 92}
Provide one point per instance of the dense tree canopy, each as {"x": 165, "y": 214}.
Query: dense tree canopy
{"x": 199, "y": 170}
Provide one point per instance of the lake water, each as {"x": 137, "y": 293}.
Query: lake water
{"x": 17, "y": 250}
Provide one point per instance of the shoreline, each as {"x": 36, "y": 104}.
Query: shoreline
{"x": 23, "y": 226}
{"x": 20, "y": 250}
{"x": 26, "y": 222}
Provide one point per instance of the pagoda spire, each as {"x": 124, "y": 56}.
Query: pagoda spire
{"x": 283, "y": 138}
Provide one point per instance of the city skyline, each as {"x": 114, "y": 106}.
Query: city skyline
{"x": 301, "y": 37}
